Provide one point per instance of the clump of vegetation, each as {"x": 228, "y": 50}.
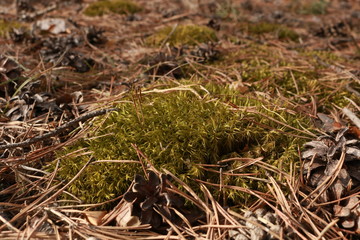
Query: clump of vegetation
{"x": 256, "y": 65}
{"x": 6, "y": 26}
{"x": 114, "y": 6}
{"x": 280, "y": 31}
{"x": 182, "y": 34}
{"x": 315, "y": 7}
{"x": 180, "y": 131}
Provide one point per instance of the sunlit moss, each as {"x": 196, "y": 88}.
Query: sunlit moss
{"x": 182, "y": 34}
{"x": 111, "y": 6}
{"x": 264, "y": 69}
{"x": 178, "y": 131}
{"x": 315, "y": 7}
{"x": 6, "y": 26}
{"x": 280, "y": 31}
{"x": 326, "y": 56}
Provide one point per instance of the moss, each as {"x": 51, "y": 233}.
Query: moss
{"x": 177, "y": 131}
{"x": 280, "y": 31}
{"x": 264, "y": 69}
{"x": 326, "y": 56}
{"x": 115, "y": 6}
{"x": 6, "y": 26}
{"x": 227, "y": 10}
{"x": 315, "y": 7}
{"x": 182, "y": 34}
{"x": 287, "y": 33}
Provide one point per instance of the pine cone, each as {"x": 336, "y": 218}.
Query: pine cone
{"x": 323, "y": 161}
{"x": 150, "y": 197}
{"x": 268, "y": 219}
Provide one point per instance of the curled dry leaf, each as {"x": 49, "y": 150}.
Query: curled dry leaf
{"x": 94, "y": 217}
{"x": 52, "y": 25}
{"x": 125, "y": 218}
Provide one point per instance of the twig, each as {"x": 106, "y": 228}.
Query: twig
{"x": 39, "y": 13}
{"x": 57, "y": 130}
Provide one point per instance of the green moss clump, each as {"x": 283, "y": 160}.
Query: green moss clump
{"x": 115, "y": 6}
{"x": 315, "y": 7}
{"x": 6, "y": 26}
{"x": 178, "y": 131}
{"x": 182, "y": 34}
{"x": 281, "y": 31}
{"x": 265, "y": 70}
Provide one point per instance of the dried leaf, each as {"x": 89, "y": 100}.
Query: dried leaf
{"x": 125, "y": 218}
{"x": 52, "y": 25}
{"x": 328, "y": 124}
{"x": 94, "y": 217}
{"x": 355, "y": 131}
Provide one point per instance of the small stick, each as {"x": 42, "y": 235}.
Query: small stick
{"x": 38, "y": 13}
{"x": 58, "y": 130}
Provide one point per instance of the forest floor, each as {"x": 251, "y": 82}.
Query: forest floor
{"x": 289, "y": 68}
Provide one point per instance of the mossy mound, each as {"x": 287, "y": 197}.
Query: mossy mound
{"x": 280, "y": 31}
{"x": 299, "y": 77}
{"x": 181, "y": 35}
{"x": 6, "y": 26}
{"x": 179, "y": 131}
{"x": 315, "y": 7}
{"x": 111, "y": 6}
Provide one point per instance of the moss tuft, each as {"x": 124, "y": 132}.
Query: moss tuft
{"x": 178, "y": 131}
{"x": 115, "y": 6}
{"x": 183, "y": 34}
{"x": 280, "y": 31}
{"x": 6, "y": 26}
{"x": 315, "y": 7}
{"x": 263, "y": 69}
